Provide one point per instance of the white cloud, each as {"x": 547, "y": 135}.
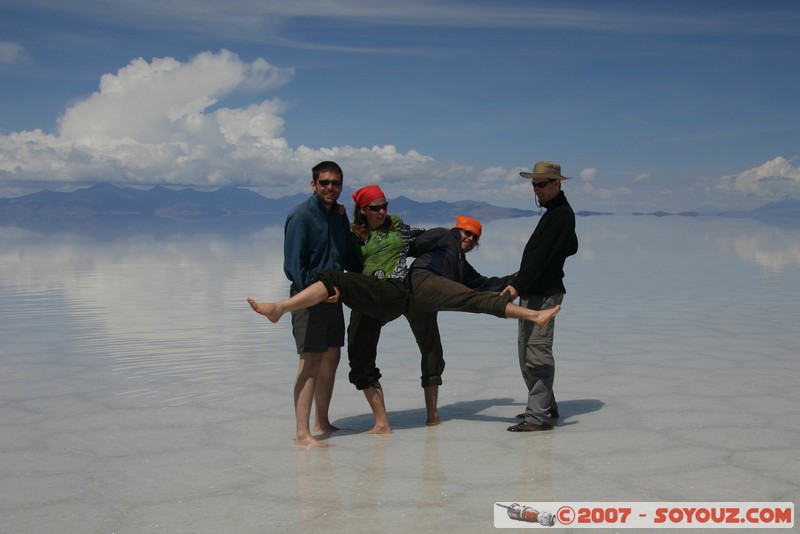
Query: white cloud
{"x": 642, "y": 178}
{"x": 164, "y": 100}
{"x": 166, "y": 121}
{"x": 773, "y": 179}
{"x": 161, "y": 122}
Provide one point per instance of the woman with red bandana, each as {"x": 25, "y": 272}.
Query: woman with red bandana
{"x": 384, "y": 242}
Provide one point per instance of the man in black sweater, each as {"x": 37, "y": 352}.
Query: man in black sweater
{"x": 540, "y": 284}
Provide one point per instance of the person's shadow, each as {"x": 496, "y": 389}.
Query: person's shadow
{"x": 470, "y": 411}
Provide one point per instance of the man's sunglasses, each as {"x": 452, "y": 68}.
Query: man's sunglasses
{"x": 326, "y": 183}
{"x": 470, "y": 233}
{"x": 379, "y": 207}
{"x": 540, "y": 185}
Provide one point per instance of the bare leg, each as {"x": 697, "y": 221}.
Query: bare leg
{"x": 304, "y": 396}
{"x": 541, "y": 317}
{"x": 431, "y": 401}
{"x": 374, "y": 396}
{"x": 313, "y": 294}
{"x": 324, "y": 389}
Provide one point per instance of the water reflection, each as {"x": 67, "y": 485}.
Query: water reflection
{"x": 770, "y": 249}
{"x": 43, "y": 261}
{"x": 155, "y": 305}
{"x": 143, "y": 335}
{"x": 152, "y": 306}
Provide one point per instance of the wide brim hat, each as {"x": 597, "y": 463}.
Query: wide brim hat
{"x": 545, "y": 170}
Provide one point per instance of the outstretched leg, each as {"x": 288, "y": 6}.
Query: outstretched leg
{"x": 310, "y": 296}
{"x": 540, "y": 317}
{"x": 436, "y": 293}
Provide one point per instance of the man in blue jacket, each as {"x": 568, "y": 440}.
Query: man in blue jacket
{"x": 316, "y": 238}
{"x": 540, "y": 284}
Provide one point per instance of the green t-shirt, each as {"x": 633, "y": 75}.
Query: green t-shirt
{"x": 383, "y": 252}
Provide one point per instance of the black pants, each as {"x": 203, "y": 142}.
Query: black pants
{"x": 385, "y": 300}
{"x": 363, "y": 334}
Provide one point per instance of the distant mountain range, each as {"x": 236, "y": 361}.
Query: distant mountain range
{"x": 228, "y": 206}
{"x": 784, "y": 213}
{"x": 237, "y": 208}
{"x": 782, "y": 209}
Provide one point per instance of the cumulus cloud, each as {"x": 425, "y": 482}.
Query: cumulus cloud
{"x": 166, "y": 101}
{"x": 773, "y": 179}
{"x": 170, "y": 122}
{"x": 162, "y": 121}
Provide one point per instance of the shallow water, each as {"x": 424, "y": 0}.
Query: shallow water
{"x": 140, "y": 393}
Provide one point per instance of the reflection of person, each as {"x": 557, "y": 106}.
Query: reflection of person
{"x": 440, "y": 253}
{"x": 384, "y": 241}
{"x": 316, "y": 236}
{"x": 540, "y": 285}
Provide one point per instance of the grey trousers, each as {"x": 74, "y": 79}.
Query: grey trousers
{"x": 535, "y": 347}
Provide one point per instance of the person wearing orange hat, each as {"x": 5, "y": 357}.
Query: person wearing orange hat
{"x": 440, "y": 254}
{"x": 472, "y": 227}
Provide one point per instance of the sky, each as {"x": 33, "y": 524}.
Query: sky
{"x": 668, "y": 105}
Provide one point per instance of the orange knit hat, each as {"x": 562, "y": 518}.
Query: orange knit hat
{"x": 468, "y": 223}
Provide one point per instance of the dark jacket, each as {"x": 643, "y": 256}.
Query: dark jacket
{"x": 541, "y": 271}
{"x": 438, "y": 250}
{"x": 316, "y": 239}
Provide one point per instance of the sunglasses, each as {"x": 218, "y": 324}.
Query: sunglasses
{"x": 470, "y": 233}
{"x": 377, "y": 208}
{"x": 326, "y": 183}
{"x": 540, "y": 185}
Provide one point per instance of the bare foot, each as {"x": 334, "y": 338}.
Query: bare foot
{"x": 380, "y": 429}
{"x": 545, "y": 315}
{"x": 267, "y": 309}
{"x": 433, "y": 420}
{"x": 307, "y": 442}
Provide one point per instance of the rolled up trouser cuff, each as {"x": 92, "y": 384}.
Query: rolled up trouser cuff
{"x": 363, "y": 380}
{"x": 327, "y": 279}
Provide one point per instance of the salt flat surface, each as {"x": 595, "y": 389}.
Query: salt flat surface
{"x": 138, "y": 392}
